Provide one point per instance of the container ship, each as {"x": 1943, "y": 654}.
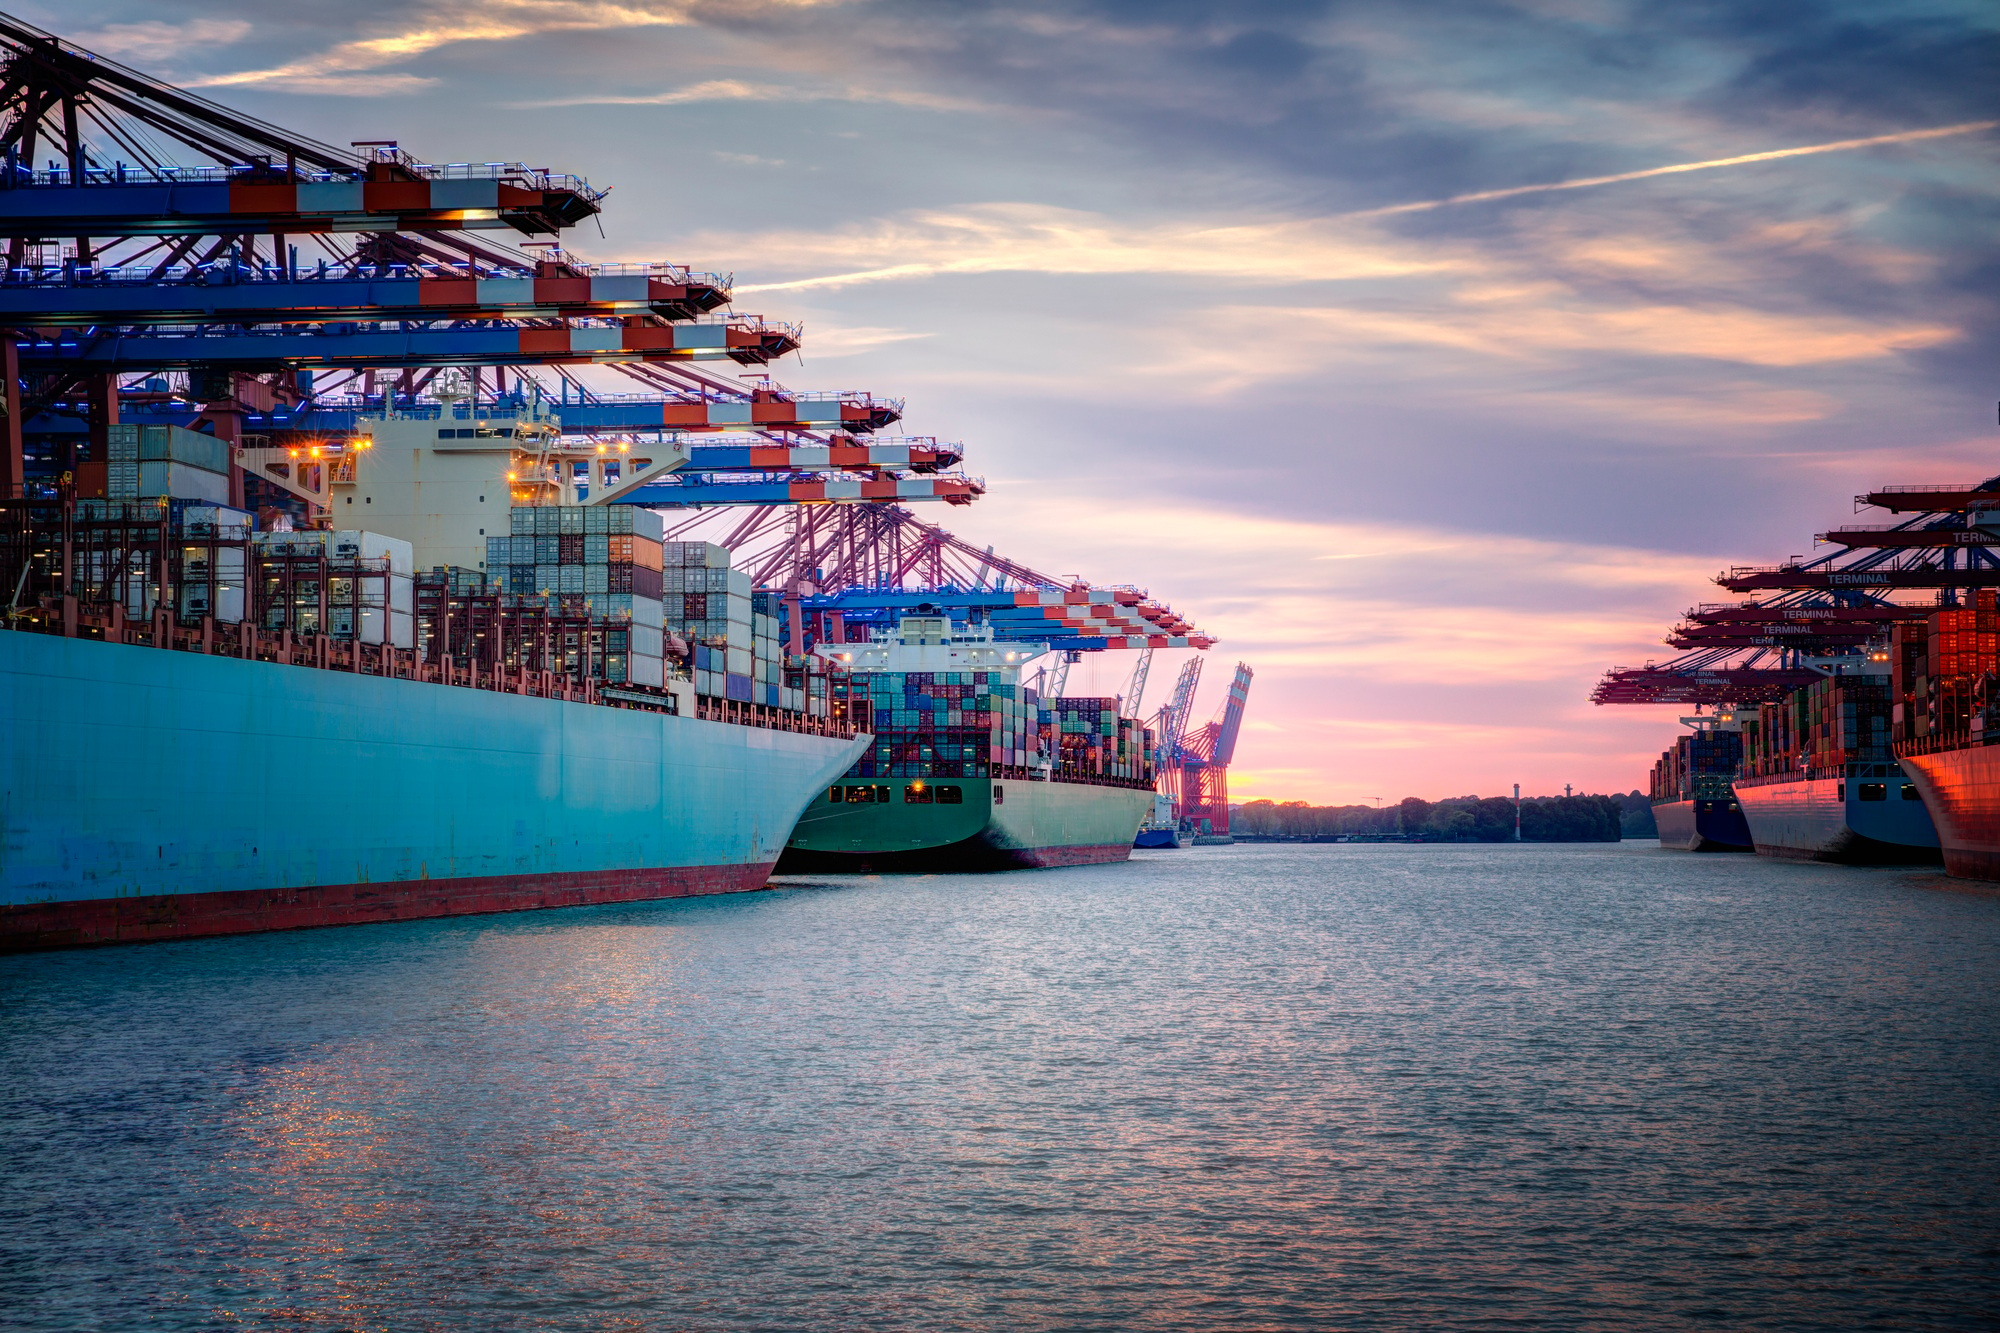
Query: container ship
{"x": 1821, "y": 781}
{"x": 1946, "y": 718}
{"x": 969, "y": 769}
{"x": 1694, "y": 802}
{"x": 1161, "y": 831}
{"x": 1844, "y": 764}
{"x": 352, "y": 622}
{"x": 214, "y": 725}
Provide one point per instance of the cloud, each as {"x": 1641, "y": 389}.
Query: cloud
{"x": 736, "y": 90}
{"x": 153, "y": 39}
{"x": 713, "y": 90}
{"x": 496, "y": 20}
{"x": 1024, "y": 237}
{"x": 1465, "y": 606}
{"x": 351, "y": 85}
{"x": 1528, "y": 324}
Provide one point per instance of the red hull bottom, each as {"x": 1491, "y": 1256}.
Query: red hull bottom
{"x": 183, "y": 916}
{"x": 969, "y": 856}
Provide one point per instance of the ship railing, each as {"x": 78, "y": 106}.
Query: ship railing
{"x": 249, "y": 642}
{"x": 740, "y": 713}
{"x": 1940, "y": 741}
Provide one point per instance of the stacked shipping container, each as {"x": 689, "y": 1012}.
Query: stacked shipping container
{"x": 579, "y": 550}
{"x": 1943, "y": 671}
{"x": 1820, "y": 729}
{"x": 1702, "y": 766}
{"x": 972, "y": 724}
{"x": 464, "y": 615}
{"x": 1086, "y": 738}
{"x": 150, "y": 461}
{"x": 733, "y": 628}
{"x": 598, "y": 568}
{"x": 940, "y": 724}
{"x": 347, "y": 585}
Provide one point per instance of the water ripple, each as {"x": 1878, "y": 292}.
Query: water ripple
{"x": 1247, "y": 1088}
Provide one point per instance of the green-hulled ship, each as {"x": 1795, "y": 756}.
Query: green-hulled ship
{"x": 970, "y": 770}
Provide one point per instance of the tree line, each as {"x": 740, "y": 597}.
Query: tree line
{"x": 1455, "y": 819}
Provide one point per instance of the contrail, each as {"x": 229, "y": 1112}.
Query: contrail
{"x": 921, "y": 270}
{"x": 1841, "y": 146}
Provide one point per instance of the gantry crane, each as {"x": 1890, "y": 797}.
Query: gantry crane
{"x": 160, "y": 261}
{"x": 1202, "y": 763}
{"x": 1831, "y": 607}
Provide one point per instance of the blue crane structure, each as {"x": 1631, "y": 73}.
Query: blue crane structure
{"x": 176, "y": 261}
{"x": 173, "y": 261}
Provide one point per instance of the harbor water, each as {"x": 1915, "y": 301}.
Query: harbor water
{"x": 1253, "y": 1087}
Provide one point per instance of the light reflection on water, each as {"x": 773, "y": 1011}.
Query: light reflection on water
{"x": 1255, "y": 1087}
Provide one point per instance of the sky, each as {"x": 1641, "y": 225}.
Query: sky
{"x": 1269, "y": 306}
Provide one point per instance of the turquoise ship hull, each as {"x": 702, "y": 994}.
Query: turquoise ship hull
{"x": 151, "y": 794}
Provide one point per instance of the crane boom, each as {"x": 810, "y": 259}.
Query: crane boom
{"x": 1137, "y": 690}
{"x": 1173, "y": 718}
{"x": 1232, "y": 714}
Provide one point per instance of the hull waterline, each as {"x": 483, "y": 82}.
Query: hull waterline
{"x": 160, "y": 795}
{"x": 1702, "y": 826}
{"x": 1872, "y": 815}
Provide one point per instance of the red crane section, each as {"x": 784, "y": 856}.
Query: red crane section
{"x": 1888, "y": 538}
{"x": 1938, "y": 498}
{"x": 1203, "y": 762}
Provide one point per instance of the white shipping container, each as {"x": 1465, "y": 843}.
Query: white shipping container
{"x": 647, "y": 640}
{"x": 738, "y": 660}
{"x": 226, "y": 605}
{"x": 398, "y": 628}
{"x": 350, "y": 545}
{"x": 216, "y": 521}
{"x": 224, "y": 565}
{"x": 646, "y": 670}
